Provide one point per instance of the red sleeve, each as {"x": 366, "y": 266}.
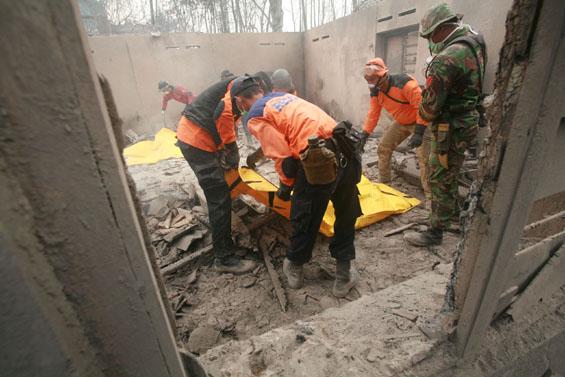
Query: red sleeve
{"x": 273, "y": 143}
{"x": 373, "y": 115}
{"x": 166, "y": 99}
{"x": 225, "y": 125}
{"x": 413, "y": 93}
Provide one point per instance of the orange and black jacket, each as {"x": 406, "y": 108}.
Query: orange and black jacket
{"x": 208, "y": 122}
{"x": 283, "y": 123}
{"x": 401, "y": 99}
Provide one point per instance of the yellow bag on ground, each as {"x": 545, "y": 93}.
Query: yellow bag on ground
{"x": 378, "y": 200}
{"x": 153, "y": 151}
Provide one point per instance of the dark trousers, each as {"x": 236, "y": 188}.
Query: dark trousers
{"x": 211, "y": 179}
{"x": 309, "y": 203}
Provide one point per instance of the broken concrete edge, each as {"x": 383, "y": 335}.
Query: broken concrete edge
{"x": 366, "y": 335}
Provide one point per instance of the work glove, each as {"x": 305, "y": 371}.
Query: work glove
{"x": 284, "y": 192}
{"x": 416, "y": 139}
{"x": 254, "y": 158}
{"x": 363, "y": 141}
{"x": 231, "y": 156}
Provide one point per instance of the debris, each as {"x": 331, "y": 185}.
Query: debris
{"x": 186, "y": 260}
{"x": 192, "y": 277}
{"x": 172, "y": 236}
{"x": 265, "y": 246}
{"x": 184, "y": 242}
{"x": 248, "y": 281}
{"x": 261, "y": 221}
{"x": 399, "y": 229}
{"x": 202, "y": 339}
{"x": 405, "y": 314}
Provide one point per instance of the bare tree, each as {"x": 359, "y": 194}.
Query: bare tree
{"x": 276, "y": 11}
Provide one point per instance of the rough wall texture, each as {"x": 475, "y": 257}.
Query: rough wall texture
{"x": 335, "y": 53}
{"x": 134, "y": 64}
{"x": 87, "y": 283}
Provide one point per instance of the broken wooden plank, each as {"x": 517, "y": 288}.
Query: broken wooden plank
{"x": 172, "y": 236}
{"x": 399, "y": 229}
{"x": 186, "y": 260}
{"x": 550, "y": 278}
{"x": 184, "y": 242}
{"x": 266, "y": 247}
{"x": 558, "y": 215}
{"x": 505, "y": 300}
{"x": 526, "y": 262}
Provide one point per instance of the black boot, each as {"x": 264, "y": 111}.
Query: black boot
{"x": 234, "y": 265}
{"x": 431, "y": 237}
{"x": 346, "y": 277}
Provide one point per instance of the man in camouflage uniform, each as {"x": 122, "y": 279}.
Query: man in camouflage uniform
{"x": 449, "y": 102}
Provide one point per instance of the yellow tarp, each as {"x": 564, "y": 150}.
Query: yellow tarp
{"x": 153, "y": 151}
{"x": 378, "y": 201}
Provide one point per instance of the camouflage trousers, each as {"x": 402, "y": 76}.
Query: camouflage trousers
{"x": 444, "y": 180}
{"x": 392, "y": 138}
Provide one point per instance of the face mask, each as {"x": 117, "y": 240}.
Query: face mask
{"x": 436, "y": 48}
{"x": 371, "y": 86}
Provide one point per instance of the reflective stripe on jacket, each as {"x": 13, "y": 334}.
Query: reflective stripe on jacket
{"x": 192, "y": 133}
{"x": 283, "y": 123}
{"x": 401, "y": 100}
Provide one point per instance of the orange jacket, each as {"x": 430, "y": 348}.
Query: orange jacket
{"x": 283, "y": 123}
{"x": 401, "y": 100}
{"x": 190, "y": 133}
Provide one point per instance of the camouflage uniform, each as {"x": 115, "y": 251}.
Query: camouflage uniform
{"x": 453, "y": 87}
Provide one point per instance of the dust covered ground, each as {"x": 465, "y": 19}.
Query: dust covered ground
{"x": 212, "y": 308}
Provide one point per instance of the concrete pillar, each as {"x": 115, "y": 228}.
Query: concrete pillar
{"x": 78, "y": 295}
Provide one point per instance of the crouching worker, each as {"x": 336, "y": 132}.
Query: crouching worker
{"x": 206, "y": 137}
{"x": 317, "y": 161}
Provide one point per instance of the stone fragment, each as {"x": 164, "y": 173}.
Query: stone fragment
{"x": 202, "y": 339}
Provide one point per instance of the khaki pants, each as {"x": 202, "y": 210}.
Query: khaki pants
{"x": 395, "y": 135}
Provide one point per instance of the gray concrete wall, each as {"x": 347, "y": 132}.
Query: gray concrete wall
{"x": 134, "y": 64}
{"x": 333, "y": 65}
{"x": 334, "y": 55}
{"x": 79, "y": 296}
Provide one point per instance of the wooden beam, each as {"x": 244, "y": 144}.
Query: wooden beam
{"x": 550, "y": 279}
{"x": 557, "y": 216}
{"x": 529, "y": 260}
{"x": 186, "y": 260}
{"x": 527, "y": 127}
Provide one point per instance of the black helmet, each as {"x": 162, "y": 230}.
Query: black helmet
{"x": 163, "y": 85}
{"x": 264, "y": 81}
{"x": 243, "y": 83}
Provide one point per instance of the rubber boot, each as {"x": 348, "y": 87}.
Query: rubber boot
{"x": 234, "y": 265}
{"x": 294, "y": 274}
{"x": 431, "y": 237}
{"x": 346, "y": 277}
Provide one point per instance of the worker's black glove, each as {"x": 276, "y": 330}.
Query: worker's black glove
{"x": 363, "y": 141}
{"x": 284, "y": 192}
{"x": 231, "y": 156}
{"x": 416, "y": 139}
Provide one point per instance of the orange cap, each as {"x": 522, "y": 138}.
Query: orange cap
{"x": 375, "y": 68}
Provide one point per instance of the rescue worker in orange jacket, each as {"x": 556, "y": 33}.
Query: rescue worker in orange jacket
{"x": 283, "y": 124}
{"x": 400, "y": 95}
{"x": 206, "y": 137}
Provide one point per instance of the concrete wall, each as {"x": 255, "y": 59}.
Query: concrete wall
{"x": 334, "y": 55}
{"x": 333, "y": 65}
{"x": 79, "y": 296}
{"x": 134, "y": 64}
